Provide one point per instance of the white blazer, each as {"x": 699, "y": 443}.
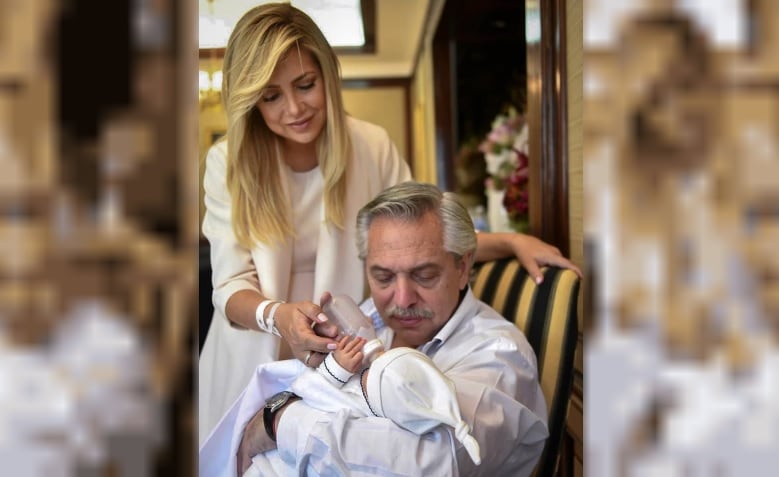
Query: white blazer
{"x": 231, "y": 354}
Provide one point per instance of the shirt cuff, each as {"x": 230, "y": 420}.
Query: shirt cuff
{"x": 334, "y": 372}
{"x": 294, "y": 429}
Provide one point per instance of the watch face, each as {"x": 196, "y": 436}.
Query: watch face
{"x": 278, "y": 400}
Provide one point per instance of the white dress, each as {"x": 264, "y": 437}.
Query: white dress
{"x": 290, "y": 271}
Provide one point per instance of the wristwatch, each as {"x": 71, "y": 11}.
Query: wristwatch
{"x": 276, "y": 402}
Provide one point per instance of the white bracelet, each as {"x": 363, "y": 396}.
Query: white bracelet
{"x": 258, "y": 315}
{"x": 272, "y": 319}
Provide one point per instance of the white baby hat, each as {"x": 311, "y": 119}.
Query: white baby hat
{"x": 405, "y": 386}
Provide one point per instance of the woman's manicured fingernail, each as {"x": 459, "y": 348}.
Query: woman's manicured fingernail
{"x": 332, "y": 346}
{"x": 322, "y": 317}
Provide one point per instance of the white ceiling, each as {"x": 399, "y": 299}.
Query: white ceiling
{"x": 400, "y": 25}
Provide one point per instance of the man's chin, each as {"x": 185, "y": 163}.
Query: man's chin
{"x": 408, "y": 321}
{"x": 408, "y": 336}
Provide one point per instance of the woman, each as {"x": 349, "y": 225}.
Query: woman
{"x": 282, "y": 199}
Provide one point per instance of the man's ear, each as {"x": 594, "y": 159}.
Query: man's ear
{"x": 464, "y": 269}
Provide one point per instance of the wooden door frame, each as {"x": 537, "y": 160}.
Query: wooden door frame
{"x": 547, "y": 118}
{"x": 444, "y": 98}
{"x": 546, "y": 113}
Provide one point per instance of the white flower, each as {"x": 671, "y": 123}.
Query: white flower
{"x": 521, "y": 141}
{"x": 503, "y": 145}
{"x": 499, "y": 121}
{"x": 495, "y": 162}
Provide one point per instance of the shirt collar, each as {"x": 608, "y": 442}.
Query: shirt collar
{"x": 466, "y": 309}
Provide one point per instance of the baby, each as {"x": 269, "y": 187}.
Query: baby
{"x": 401, "y": 384}
{"x": 382, "y": 388}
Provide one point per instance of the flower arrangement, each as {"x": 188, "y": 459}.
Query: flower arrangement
{"x": 504, "y": 146}
{"x": 505, "y": 153}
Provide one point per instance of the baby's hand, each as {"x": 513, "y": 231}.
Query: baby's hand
{"x": 349, "y": 353}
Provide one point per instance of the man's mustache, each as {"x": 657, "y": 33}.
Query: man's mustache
{"x": 408, "y": 312}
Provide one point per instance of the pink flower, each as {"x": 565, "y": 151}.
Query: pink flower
{"x": 503, "y": 135}
{"x": 522, "y": 160}
{"x": 505, "y": 150}
{"x": 516, "y": 198}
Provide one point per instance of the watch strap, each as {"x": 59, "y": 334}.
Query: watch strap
{"x": 274, "y": 404}
{"x": 267, "y": 418}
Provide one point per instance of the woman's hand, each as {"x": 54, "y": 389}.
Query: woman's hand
{"x": 296, "y": 321}
{"x": 533, "y": 254}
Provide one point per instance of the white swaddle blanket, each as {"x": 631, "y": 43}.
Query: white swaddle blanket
{"x": 403, "y": 385}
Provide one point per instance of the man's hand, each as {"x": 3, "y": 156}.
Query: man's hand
{"x": 253, "y": 441}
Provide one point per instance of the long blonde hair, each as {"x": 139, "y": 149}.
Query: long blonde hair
{"x": 261, "y": 212}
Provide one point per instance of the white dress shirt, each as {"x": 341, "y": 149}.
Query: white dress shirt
{"x": 495, "y": 375}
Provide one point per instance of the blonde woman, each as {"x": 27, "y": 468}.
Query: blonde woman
{"x": 282, "y": 194}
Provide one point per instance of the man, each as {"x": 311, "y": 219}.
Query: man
{"x": 417, "y": 246}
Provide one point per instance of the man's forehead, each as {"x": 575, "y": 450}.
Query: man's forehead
{"x": 389, "y": 233}
{"x": 398, "y": 240}
{"x": 395, "y": 243}
{"x": 428, "y": 221}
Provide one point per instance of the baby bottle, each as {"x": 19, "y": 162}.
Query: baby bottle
{"x": 346, "y": 315}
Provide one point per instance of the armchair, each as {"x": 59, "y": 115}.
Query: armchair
{"x": 547, "y": 316}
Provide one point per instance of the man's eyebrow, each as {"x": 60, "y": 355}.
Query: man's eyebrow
{"x": 425, "y": 266}
{"x": 378, "y": 268}
{"x": 418, "y": 268}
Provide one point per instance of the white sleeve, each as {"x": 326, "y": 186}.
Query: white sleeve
{"x": 232, "y": 265}
{"x": 499, "y": 395}
{"x": 334, "y": 373}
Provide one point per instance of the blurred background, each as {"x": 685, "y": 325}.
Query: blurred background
{"x": 681, "y": 180}
{"x": 98, "y": 237}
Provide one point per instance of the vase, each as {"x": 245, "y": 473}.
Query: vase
{"x": 497, "y": 216}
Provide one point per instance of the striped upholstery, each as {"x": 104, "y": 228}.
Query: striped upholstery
{"x": 547, "y": 316}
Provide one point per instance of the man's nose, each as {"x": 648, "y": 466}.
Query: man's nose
{"x": 405, "y": 292}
